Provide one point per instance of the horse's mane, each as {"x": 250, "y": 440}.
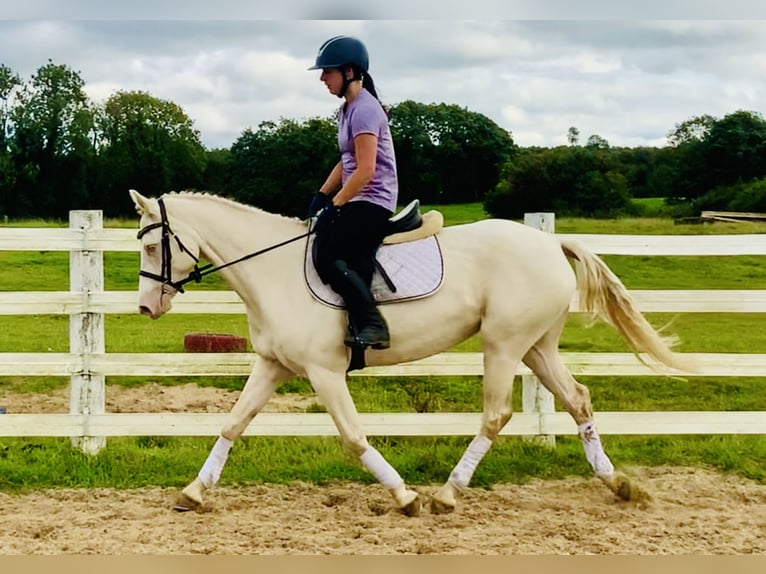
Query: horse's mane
{"x": 188, "y": 193}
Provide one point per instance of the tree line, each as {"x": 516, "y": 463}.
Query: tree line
{"x": 61, "y": 151}
{"x": 709, "y": 163}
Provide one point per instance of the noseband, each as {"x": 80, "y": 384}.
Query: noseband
{"x": 198, "y": 272}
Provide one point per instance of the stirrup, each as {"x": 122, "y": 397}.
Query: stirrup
{"x": 352, "y": 340}
{"x": 379, "y": 343}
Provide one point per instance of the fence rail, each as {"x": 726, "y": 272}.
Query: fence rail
{"x": 227, "y": 302}
{"x": 87, "y": 364}
{"x": 444, "y": 364}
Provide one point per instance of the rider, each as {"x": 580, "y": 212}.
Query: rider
{"x": 360, "y": 194}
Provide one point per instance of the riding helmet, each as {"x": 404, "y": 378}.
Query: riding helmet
{"x": 340, "y": 51}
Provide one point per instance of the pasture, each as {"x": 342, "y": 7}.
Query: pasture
{"x": 511, "y": 473}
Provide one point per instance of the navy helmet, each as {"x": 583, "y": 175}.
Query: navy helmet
{"x": 341, "y": 51}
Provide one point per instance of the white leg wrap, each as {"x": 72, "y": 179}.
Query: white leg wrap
{"x": 380, "y": 468}
{"x": 462, "y": 473}
{"x": 211, "y": 470}
{"x": 594, "y": 452}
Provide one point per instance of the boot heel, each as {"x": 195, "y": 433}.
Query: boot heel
{"x": 375, "y": 339}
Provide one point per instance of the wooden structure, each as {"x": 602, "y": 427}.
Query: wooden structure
{"x": 87, "y": 364}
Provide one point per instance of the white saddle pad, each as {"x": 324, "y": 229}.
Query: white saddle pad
{"x": 416, "y": 269}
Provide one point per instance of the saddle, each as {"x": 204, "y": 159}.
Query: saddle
{"x": 409, "y": 224}
{"x": 409, "y": 262}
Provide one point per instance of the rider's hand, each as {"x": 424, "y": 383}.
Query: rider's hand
{"x": 318, "y": 202}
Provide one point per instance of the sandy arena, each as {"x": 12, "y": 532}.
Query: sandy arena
{"x": 693, "y": 511}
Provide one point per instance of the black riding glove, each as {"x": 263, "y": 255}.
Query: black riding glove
{"x": 318, "y": 202}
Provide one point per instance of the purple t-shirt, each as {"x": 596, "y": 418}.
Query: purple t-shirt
{"x": 365, "y": 115}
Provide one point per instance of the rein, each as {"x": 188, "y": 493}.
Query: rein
{"x": 198, "y": 272}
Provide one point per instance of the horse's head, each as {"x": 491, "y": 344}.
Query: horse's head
{"x": 166, "y": 260}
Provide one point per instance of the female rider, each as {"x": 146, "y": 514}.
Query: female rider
{"x": 360, "y": 194}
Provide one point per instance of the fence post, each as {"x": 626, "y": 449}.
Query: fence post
{"x": 535, "y": 397}
{"x": 86, "y": 329}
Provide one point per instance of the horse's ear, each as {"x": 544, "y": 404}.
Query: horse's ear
{"x": 144, "y": 205}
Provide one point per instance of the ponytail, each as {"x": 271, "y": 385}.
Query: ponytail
{"x": 368, "y": 84}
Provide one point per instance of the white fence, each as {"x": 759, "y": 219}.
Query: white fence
{"x": 87, "y": 364}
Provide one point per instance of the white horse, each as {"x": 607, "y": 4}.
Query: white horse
{"x": 509, "y": 282}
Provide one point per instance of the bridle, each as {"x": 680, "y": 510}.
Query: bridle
{"x": 198, "y": 272}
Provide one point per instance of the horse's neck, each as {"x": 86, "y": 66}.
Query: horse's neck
{"x": 226, "y": 225}
{"x": 228, "y": 231}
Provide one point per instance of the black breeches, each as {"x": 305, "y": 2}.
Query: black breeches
{"x": 353, "y": 237}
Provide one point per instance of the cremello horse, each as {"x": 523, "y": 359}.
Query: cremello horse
{"x": 509, "y": 282}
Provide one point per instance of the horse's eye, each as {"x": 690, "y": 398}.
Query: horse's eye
{"x": 150, "y": 248}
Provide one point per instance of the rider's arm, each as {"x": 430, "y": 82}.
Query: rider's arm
{"x": 333, "y": 181}
{"x": 365, "y": 152}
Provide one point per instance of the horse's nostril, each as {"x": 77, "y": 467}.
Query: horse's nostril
{"x": 144, "y": 310}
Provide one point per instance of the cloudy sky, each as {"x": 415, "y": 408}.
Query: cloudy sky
{"x": 627, "y": 80}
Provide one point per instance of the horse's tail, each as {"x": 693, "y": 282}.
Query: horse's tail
{"x": 603, "y": 295}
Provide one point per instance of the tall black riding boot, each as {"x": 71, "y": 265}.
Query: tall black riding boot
{"x": 367, "y": 325}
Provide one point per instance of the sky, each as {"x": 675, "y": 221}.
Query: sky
{"x": 629, "y": 78}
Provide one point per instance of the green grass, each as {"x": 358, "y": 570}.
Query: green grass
{"x": 650, "y": 206}
{"x": 172, "y": 461}
{"x": 654, "y": 226}
{"x": 455, "y": 214}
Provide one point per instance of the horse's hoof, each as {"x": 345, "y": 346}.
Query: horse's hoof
{"x": 190, "y": 497}
{"x": 622, "y": 486}
{"x": 185, "y": 503}
{"x": 441, "y": 507}
{"x": 413, "y": 507}
{"x": 629, "y": 491}
{"x": 445, "y": 500}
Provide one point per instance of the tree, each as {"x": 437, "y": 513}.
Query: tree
{"x": 597, "y": 142}
{"x": 9, "y": 82}
{"x": 643, "y": 168}
{"x": 279, "y": 166}
{"x": 739, "y": 196}
{"x": 693, "y": 129}
{"x": 415, "y": 141}
{"x": 574, "y": 181}
{"x": 750, "y": 197}
{"x": 51, "y": 143}
{"x": 525, "y": 186}
{"x": 148, "y": 144}
{"x": 573, "y": 136}
{"x": 723, "y": 153}
{"x": 447, "y": 154}
{"x": 735, "y": 148}
{"x": 216, "y": 175}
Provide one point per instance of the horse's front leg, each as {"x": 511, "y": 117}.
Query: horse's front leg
{"x": 332, "y": 391}
{"x": 499, "y": 370}
{"x": 260, "y": 386}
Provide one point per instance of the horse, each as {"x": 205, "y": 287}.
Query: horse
{"x": 506, "y": 281}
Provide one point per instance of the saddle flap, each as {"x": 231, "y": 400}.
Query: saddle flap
{"x": 415, "y": 269}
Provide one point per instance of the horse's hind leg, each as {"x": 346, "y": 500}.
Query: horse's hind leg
{"x": 333, "y": 392}
{"x": 260, "y": 386}
{"x": 499, "y": 370}
{"x": 544, "y": 360}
